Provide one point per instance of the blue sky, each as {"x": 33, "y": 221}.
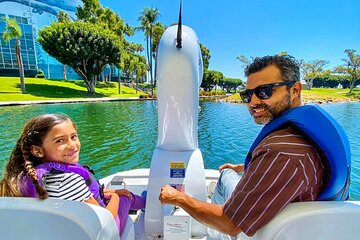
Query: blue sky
{"x": 306, "y": 29}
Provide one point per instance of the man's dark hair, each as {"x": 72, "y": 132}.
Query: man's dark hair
{"x": 288, "y": 66}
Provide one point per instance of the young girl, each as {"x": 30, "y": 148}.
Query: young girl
{"x": 44, "y": 163}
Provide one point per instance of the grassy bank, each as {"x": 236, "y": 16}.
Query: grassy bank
{"x": 323, "y": 95}
{"x": 319, "y": 95}
{"x": 43, "y": 89}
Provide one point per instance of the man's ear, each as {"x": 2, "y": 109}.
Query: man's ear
{"x": 37, "y": 151}
{"x": 296, "y": 88}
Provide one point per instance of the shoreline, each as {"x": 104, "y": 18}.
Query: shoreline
{"x": 84, "y": 100}
{"x": 304, "y": 100}
{"x": 220, "y": 98}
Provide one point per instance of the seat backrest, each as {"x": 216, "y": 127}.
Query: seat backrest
{"x": 31, "y": 218}
{"x": 129, "y": 230}
{"x": 313, "y": 220}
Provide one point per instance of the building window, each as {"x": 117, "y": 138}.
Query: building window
{"x": 8, "y": 58}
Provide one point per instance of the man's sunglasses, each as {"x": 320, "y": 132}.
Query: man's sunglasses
{"x": 263, "y": 91}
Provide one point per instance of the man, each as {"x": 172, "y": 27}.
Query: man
{"x": 283, "y": 167}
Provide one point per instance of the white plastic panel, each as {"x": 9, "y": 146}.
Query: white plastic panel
{"x": 313, "y": 220}
{"x": 179, "y": 74}
{"x": 30, "y": 218}
{"x": 194, "y": 185}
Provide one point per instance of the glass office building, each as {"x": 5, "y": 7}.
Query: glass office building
{"x": 33, "y": 15}
{"x": 8, "y": 62}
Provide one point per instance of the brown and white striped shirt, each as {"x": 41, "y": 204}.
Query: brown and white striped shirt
{"x": 285, "y": 167}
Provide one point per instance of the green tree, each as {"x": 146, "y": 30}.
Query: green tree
{"x": 63, "y": 17}
{"x": 85, "y": 47}
{"x": 205, "y": 53}
{"x": 139, "y": 63}
{"x": 12, "y": 30}
{"x": 283, "y": 53}
{"x": 351, "y": 67}
{"x": 158, "y": 31}
{"x": 248, "y": 60}
{"x": 135, "y": 47}
{"x": 230, "y": 84}
{"x": 330, "y": 81}
{"x": 312, "y": 70}
{"x": 148, "y": 17}
{"x": 211, "y": 79}
{"x": 244, "y": 60}
{"x": 91, "y": 11}
{"x": 134, "y": 66}
{"x": 218, "y": 77}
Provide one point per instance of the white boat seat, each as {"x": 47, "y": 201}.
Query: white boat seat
{"x": 31, "y": 218}
{"x": 129, "y": 230}
{"x": 312, "y": 220}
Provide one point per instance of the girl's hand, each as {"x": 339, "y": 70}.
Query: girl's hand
{"x": 109, "y": 194}
{"x": 119, "y": 192}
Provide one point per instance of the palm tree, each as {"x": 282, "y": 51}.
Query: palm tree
{"x": 139, "y": 64}
{"x": 12, "y": 30}
{"x": 148, "y": 17}
{"x": 158, "y": 31}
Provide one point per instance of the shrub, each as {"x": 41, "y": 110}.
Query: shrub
{"x": 40, "y": 74}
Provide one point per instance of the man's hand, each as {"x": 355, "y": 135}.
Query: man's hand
{"x": 168, "y": 195}
{"x": 239, "y": 168}
{"x": 123, "y": 192}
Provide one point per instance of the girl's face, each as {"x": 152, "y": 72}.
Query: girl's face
{"x": 61, "y": 144}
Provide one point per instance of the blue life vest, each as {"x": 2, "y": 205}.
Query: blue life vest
{"x": 27, "y": 188}
{"x": 329, "y": 138}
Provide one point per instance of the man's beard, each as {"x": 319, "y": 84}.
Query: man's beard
{"x": 273, "y": 111}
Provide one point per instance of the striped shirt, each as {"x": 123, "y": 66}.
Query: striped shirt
{"x": 69, "y": 186}
{"x": 285, "y": 167}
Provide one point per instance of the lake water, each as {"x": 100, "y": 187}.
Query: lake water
{"x": 117, "y": 136}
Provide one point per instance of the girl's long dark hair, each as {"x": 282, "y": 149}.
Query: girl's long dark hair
{"x": 22, "y": 161}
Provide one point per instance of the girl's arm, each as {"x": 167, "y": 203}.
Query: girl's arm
{"x": 113, "y": 205}
{"x": 119, "y": 192}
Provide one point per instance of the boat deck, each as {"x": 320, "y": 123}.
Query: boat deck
{"x": 136, "y": 181}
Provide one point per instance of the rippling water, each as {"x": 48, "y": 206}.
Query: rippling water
{"x": 117, "y": 136}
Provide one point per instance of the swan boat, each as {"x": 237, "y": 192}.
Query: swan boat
{"x": 177, "y": 161}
